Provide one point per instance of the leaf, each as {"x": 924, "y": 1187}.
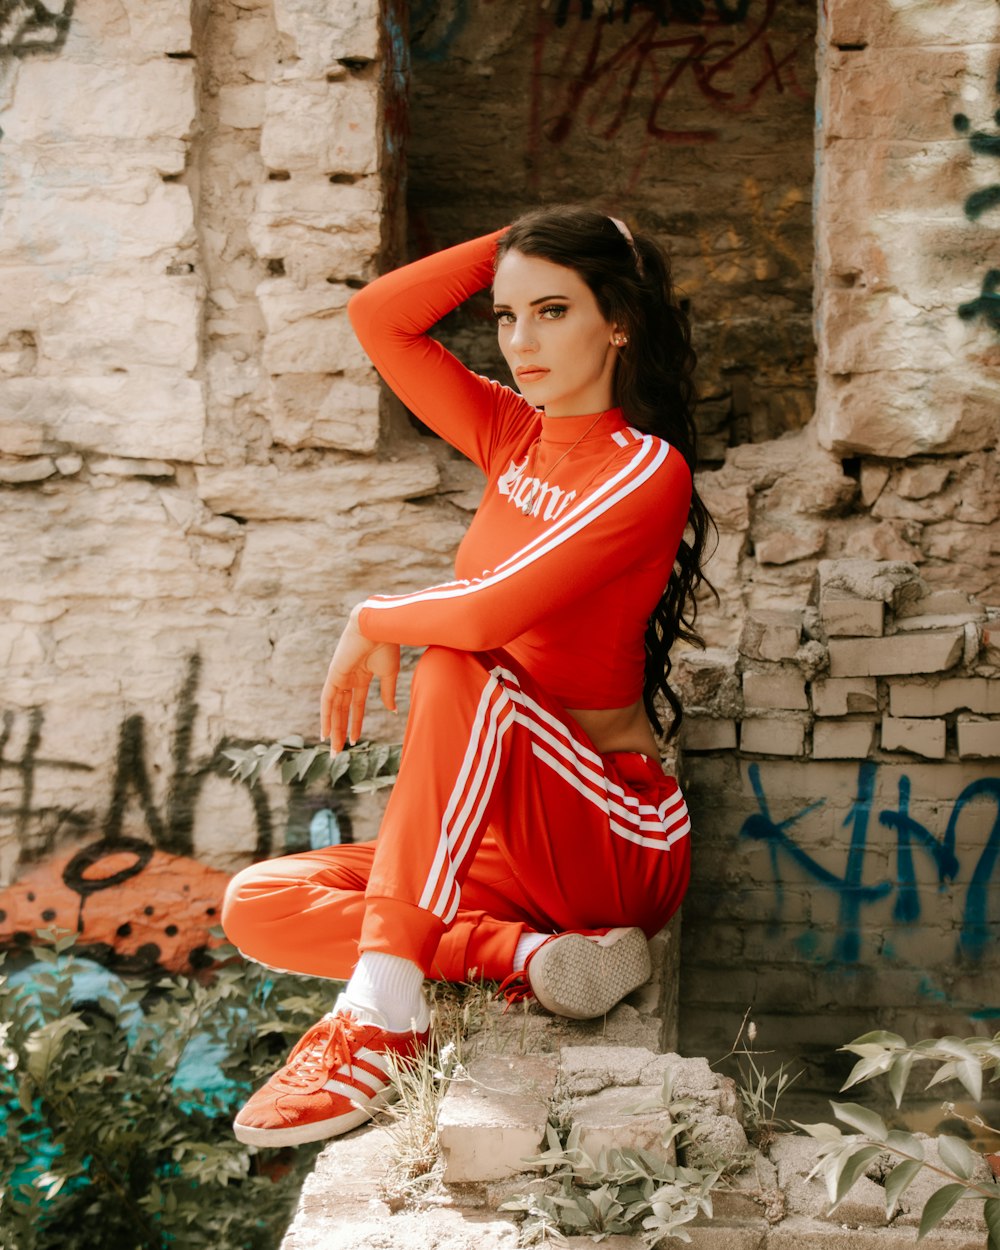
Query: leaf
{"x": 824, "y": 1132}
{"x": 897, "y": 1181}
{"x": 878, "y": 1037}
{"x": 861, "y": 1118}
{"x": 991, "y": 1213}
{"x": 304, "y": 761}
{"x": 270, "y": 757}
{"x": 339, "y": 765}
{"x": 853, "y": 1168}
{"x": 905, "y": 1143}
{"x": 937, "y": 1207}
{"x": 865, "y": 1069}
{"x": 294, "y": 742}
{"x": 971, "y": 1075}
{"x": 359, "y": 766}
{"x": 955, "y": 1154}
{"x": 899, "y": 1075}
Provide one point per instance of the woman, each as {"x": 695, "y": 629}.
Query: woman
{"x": 531, "y": 836}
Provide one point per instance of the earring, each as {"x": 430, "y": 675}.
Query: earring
{"x": 620, "y": 340}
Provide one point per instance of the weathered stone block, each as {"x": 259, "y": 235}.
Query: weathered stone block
{"x": 137, "y": 218}
{"x": 783, "y": 543}
{"x": 843, "y": 739}
{"x": 771, "y": 635}
{"x": 929, "y": 652}
{"x": 921, "y": 737}
{"x": 844, "y": 616}
{"x": 324, "y": 410}
{"x": 157, "y": 26}
{"x": 611, "y": 1120}
{"x": 308, "y": 330}
{"x": 775, "y": 688}
{"x": 122, "y": 101}
{"x": 895, "y": 582}
{"x": 940, "y": 603}
{"x": 262, "y": 492}
{"x": 126, "y": 318}
{"x": 490, "y": 1124}
{"x": 35, "y": 469}
{"x": 154, "y": 415}
{"x": 838, "y": 696}
{"x": 906, "y": 412}
{"x": 705, "y": 733}
{"x": 855, "y": 22}
{"x": 318, "y": 228}
{"x": 585, "y": 1069}
{"x": 861, "y": 102}
{"x": 950, "y": 694}
{"x": 775, "y": 735}
{"x": 323, "y": 34}
{"x": 977, "y": 738}
{"x": 315, "y": 124}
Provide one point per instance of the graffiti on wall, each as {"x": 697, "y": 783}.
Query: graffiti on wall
{"x": 30, "y": 26}
{"x": 982, "y": 143}
{"x": 852, "y": 893}
{"x": 138, "y": 901}
{"x": 597, "y": 74}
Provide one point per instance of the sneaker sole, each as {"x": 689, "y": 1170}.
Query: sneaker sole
{"x": 576, "y": 977}
{"x": 318, "y": 1130}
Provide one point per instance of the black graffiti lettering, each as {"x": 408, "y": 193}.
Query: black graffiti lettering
{"x": 36, "y": 828}
{"x": 31, "y": 26}
{"x": 988, "y": 302}
{"x": 173, "y": 831}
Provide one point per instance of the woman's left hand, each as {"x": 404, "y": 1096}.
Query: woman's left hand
{"x": 355, "y": 662}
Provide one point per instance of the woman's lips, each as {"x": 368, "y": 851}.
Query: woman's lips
{"x": 529, "y": 373}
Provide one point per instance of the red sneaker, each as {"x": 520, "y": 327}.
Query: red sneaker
{"x": 582, "y": 974}
{"x": 336, "y": 1078}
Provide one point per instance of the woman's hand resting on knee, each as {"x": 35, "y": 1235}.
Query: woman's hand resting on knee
{"x": 355, "y": 662}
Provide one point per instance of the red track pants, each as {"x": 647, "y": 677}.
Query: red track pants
{"x": 503, "y": 819}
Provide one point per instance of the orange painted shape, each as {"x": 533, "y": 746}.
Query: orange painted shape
{"x": 160, "y": 913}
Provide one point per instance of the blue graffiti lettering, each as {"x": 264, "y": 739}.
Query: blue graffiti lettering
{"x": 975, "y": 933}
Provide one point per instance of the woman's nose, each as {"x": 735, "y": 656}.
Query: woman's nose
{"x": 523, "y": 339}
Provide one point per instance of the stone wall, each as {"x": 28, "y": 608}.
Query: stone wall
{"x": 693, "y": 120}
{"x": 200, "y": 473}
{"x": 842, "y": 765}
{"x": 197, "y": 477}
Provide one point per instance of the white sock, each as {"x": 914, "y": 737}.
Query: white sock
{"x": 527, "y": 943}
{"x": 392, "y": 988}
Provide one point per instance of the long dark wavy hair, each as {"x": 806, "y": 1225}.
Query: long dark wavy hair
{"x": 653, "y": 385}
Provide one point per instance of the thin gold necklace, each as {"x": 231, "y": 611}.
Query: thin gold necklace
{"x": 529, "y": 502}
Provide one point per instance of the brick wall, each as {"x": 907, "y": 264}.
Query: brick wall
{"x": 843, "y": 770}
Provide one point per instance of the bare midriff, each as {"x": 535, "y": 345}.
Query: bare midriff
{"x": 617, "y": 729}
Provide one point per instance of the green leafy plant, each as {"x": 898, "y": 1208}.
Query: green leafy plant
{"x": 625, "y": 1190}
{"x": 843, "y": 1158}
{"x": 365, "y": 767}
{"x": 102, "y": 1148}
{"x": 759, "y": 1091}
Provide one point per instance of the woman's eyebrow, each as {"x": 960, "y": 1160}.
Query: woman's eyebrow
{"x": 532, "y": 303}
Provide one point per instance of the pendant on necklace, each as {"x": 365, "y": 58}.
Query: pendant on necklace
{"x": 529, "y": 502}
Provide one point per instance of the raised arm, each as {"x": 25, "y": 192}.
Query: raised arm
{"x": 391, "y": 317}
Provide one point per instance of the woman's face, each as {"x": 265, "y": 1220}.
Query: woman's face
{"x": 553, "y": 336}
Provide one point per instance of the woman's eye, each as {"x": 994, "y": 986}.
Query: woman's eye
{"x": 503, "y": 318}
{"x": 554, "y": 311}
